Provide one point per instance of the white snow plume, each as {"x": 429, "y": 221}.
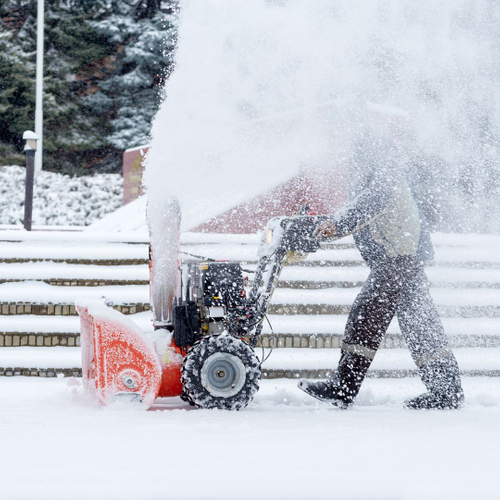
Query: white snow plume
{"x": 264, "y": 88}
{"x": 59, "y": 200}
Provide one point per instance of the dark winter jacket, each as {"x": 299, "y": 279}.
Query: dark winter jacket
{"x": 382, "y": 212}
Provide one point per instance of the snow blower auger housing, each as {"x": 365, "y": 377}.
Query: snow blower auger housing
{"x": 206, "y": 322}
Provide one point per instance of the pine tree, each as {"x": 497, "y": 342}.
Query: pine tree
{"x": 144, "y": 40}
{"x": 74, "y": 57}
{"x": 17, "y": 96}
{"x": 105, "y": 61}
{"x": 70, "y": 132}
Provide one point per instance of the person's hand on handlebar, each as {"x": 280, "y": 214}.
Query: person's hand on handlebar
{"x": 325, "y": 230}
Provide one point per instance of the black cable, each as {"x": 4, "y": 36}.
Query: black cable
{"x": 208, "y": 259}
{"x": 272, "y": 344}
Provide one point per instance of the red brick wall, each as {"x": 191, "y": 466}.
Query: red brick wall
{"x": 322, "y": 192}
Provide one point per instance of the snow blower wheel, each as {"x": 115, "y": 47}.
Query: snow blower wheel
{"x": 220, "y": 372}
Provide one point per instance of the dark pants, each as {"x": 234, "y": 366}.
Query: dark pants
{"x": 397, "y": 286}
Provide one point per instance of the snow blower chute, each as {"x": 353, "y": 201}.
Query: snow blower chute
{"x": 206, "y": 326}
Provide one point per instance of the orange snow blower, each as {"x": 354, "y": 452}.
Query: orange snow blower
{"x": 205, "y": 324}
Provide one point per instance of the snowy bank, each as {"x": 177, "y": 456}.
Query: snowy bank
{"x": 59, "y": 199}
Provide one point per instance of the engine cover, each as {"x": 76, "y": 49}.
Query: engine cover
{"x": 222, "y": 284}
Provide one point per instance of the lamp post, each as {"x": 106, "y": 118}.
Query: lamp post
{"x": 39, "y": 83}
{"x": 31, "y": 146}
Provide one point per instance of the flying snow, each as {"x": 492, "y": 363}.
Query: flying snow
{"x": 264, "y": 89}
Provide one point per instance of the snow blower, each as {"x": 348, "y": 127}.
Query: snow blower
{"x": 206, "y": 325}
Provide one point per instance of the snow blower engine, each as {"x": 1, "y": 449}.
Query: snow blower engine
{"x": 206, "y": 322}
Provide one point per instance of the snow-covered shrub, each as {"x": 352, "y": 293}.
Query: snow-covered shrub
{"x": 59, "y": 199}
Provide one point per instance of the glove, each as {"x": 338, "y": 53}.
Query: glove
{"x": 325, "y": 230}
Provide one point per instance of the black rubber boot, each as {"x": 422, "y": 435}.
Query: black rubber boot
{"x": 351, "y": 372}
{"x": 442, "y": 378}
{"x": 324, "y": 391}
{"x": 343, "y": 388}
{"x": 430, "y": 401}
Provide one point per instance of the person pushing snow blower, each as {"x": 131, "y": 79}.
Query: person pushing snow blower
{"x": 383, "y": 216}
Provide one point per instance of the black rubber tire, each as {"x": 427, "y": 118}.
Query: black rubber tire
{"x": 198, "y": 371}
{"x": 185, "y": 397}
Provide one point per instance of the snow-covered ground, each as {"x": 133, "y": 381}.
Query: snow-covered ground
{"x": 58, "y": 443}
{"x": 58, "y": 199}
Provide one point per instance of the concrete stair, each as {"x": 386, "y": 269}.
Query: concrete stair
{"x": 42, "y": 274}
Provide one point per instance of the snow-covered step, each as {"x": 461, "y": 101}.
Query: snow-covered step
{"x": 41, "y": 298}
{"x": 19, "y": 235}
{"x": 287, "y": 331}
{"x": 449, "y": 256}
{"x": 88, "y": 282}
{"x": 37, "y": 339}
{"x": 40, "y": 357}
{"x": 277, "y": 340}
{"x": 38, "y": 331}
{"x": 334, "y": 340}
{"x": 335, "y": 324}
{"x": 450, "y": 249}
{"x": 40, "y": 361}
{"x": 53, "y": 310}
{"x": 49, "y": 270}
{"x": 387, "y": 359}
{"x": 59, "y": 324}
{"x": 312, "y": 310}
{"x": 49, "y": 234}
{"x": 64, "y": 274}
{"x": 74, "y": 252}
{"x": 290, "y": 274}
{"x": 38, "y": 292}
{"x": 41, "y": 293}
{"x": 450, "y": 302}
{"x": 109, "y": 253}
{"x": 287, "y": 363}
{"x": 290, "y": 309}
{"x": 438, "y": 239}
{"x": 446, "y": 297}
{"x": 289, "y": 325}
{"x": 327, "y": 331}
{"x": 347, "y": 277}
{"x": 249, "y": 253}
